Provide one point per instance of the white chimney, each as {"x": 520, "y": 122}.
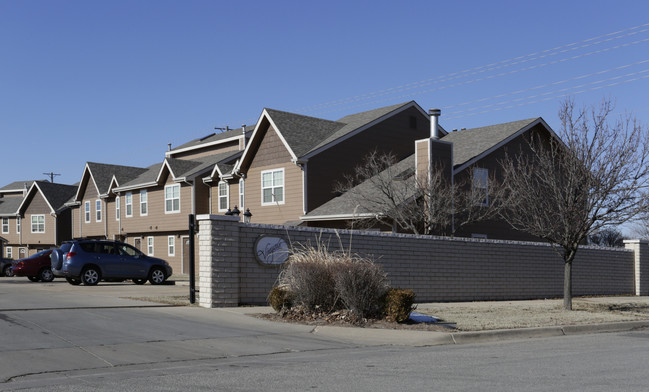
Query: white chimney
{"x": 434, "y": 122}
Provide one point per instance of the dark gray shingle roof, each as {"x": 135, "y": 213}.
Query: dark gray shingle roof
{"x": 470, "y": 143}
{"x": 103, "y": 174}
{"x": 57, "y": 194}
{"x": 9, "y": 205}
{"x": 215, "y": 137}
{"x": 17, "y": 186}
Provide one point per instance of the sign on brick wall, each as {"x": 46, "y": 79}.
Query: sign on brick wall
{"x": 271, "y": 250}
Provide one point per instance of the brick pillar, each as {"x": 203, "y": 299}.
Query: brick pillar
{"x": 218, "y": 260}
{"x": 640, "y": 250}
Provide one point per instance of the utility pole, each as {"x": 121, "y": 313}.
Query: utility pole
{"x": 52, "y": 175}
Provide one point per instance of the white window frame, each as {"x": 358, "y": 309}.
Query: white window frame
{"x": 10, "y": 252}
{"x": 171, "y": 199}
{"x": 481, "y": 182}
{"x": 117, "y": 208}
{"x": 98, "y": 211}
{"x": 144, "y": 203}
{"x": 86, "y": 206}
{"x": 5, "y": 225}
{"x": 128, "y": 204}
{"x": 150, "y": 248}
{"x": 273, "y": 187}
{"x": 242, "y": 194}
{"x": 223, "y": 197}
{"x": 37, "y": 224}
{"x": 18, "y": 224}
{"x": 171, "y": 245}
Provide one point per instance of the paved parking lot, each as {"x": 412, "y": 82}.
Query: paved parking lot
{"x": 62, "y": 295}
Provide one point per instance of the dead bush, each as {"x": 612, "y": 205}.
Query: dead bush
{"x": 360, "y": 285}
{"x": 280, "y": 298}
{"x": 398, "y": 304}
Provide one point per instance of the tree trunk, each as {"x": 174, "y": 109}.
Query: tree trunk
{"x": 567, "y": 286}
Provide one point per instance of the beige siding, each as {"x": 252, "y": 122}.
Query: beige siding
{"x": 12, "y": 236}
{"x": 91, "y": 228}
{"x": 422, "y": 156}
{"x": 272, "y": 155}
{"x": 38, "y": 206}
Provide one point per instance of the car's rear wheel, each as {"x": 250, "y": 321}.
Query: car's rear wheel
{"x": 90, "y": 276}
{"x": 73, "y": 281}
{"x": 139, "y": 281}
{"x": 156, "y": 276}
{"x": 46, "y": 275}
{"x": 8, "y": 271}
{"x": 33, "y": 278}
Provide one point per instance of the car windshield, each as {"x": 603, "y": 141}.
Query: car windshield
{"x": 128, "y": 250}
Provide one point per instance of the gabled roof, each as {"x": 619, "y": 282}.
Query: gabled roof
{"x": 212, "y": 139}
{"x": 147, "y": 178}
{"x": 9, "y": 205}
{"x": 55, "y": 195}
{"x": 16, "y": 186}
{"x": 105, "y": 176}
{"x": 470, "y": 145}
{"x": 305, "y": 136}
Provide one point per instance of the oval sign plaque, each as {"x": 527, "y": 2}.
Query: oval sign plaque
{"x": 270, "y": 250}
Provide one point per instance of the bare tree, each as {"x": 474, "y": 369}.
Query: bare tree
{"x": 593, "y": 178}
{"x": 609, "y": 237}
{"x": 389, "y": 193}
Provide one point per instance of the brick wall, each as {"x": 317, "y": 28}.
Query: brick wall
{"x": 437, "y": 269}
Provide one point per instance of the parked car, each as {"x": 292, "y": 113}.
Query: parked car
{"x": 89, "y": 261}
{"x": 36, "y": 267}
{"x": 6, "y": 267}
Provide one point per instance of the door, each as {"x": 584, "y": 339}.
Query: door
{"x": 185, "y": 255}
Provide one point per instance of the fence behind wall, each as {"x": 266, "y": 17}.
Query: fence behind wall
{"x": 438, "y": 269}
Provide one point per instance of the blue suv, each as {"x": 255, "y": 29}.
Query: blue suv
{"x": 89, "y": 261}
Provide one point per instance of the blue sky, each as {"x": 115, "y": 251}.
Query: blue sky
{"x": 115, "y": 81}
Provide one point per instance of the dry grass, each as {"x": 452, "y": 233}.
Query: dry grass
{"x": 479, "y": 316}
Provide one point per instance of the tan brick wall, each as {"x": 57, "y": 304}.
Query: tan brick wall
{"x": 437, "y": 269}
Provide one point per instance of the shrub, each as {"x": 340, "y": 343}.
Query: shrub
{"x": 360, "y": 284}
{"x": 398, "y": 303}
{"x": 280, "y": 298}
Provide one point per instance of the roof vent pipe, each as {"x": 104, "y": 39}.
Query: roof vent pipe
{"x": 434, "y": 122}
{"x": 243, "y": 131}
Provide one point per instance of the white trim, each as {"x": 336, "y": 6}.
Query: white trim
{"x": 18, "y": 225}
{"x": 242, "y": 194}
{"x": 5, "y": 224}
{"x": 98, "y": 212}
{"x": 170, "y": 154}
{"x": 10, "y": 252}
{"x": 35, "y": 185}
{"x": 127, "y": 204}
{"x": 338, "y": 217}
{"x": 86, "y": 212}
{"x": 273, "y": 187}
{"x": 219, "y": 196}
{"x": 118, "y": 208}
{"x": 172, "y": 211}
{"x": 171, "y": 246}
{"x": 37, "y": 223}
{"x": 136, "y": 186}
{"x": 150, "y": 246}
{"x": 146, "y": 202}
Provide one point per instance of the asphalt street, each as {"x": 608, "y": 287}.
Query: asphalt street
{"x": 57, "y": 337}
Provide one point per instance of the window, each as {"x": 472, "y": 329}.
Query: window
{"x": 97, "y": 210}
{"x": 172, "y": 198}
{"x": 117, "y": 208}
{"x": 10, "y": 252}
{"x": 17, "y": 224}
{"x": 87, "y": 209}
{"x": 38, "y": 223}
{"x": 480, "y": 186}
{"x": 143, "y": 203}
{"x": 171, "y": 245}
{"x": 129, "y": 204}
{"x": 241, "y": 194}
{"x": 272, "y": 187}
{"x": 224, "y": 196}
{"x": 5, "y": 225}
{"x": 149, "y": 246}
